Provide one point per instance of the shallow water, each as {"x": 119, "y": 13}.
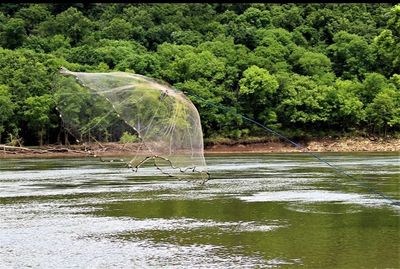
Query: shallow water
{"x": 257, "y": 211}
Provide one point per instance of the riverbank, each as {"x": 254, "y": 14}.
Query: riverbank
{"x": 116, "y": 149}
{"x": 317, "y": 145}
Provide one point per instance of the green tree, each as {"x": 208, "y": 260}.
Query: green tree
{"x": 287, "y": 16}
{"x": 256, "y": 17}
{"x": 160, "y": 34}
{"x": 118, "y": 29}
{"x": 273, "y": 50}
{"x": 70, "y": 23}
{"x": 258, "y": 87}
{"x": 351, "y": 54}
{"x": 48, "y": 44}
{"x": 312, "y": 63}
{"x": 242, "y": 32}
{"x": 145, "y": 64}
{"x": 37, "y": 113}
{"x": 187, "y": 37}
{"x": 347, "y": 109}
{"x": 387, "y": 44}
{"x": 372, "y": 85}
{"x": 386, "y": 50}
{"x": 236, "y": 58}
{"x": 395, "y": 79}
{"x": 25, "y": 73}
{"x": 33, "y": 15}
{"x": 13, "y": 34}
{"x": 384, "y": 111}
{"x": 394, "y": 20}
{"x": 304, "y": 103}
{"x": 6, "y": 108}
{"x": 194, "y": 66}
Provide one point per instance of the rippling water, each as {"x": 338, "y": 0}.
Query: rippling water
{"x": 258, "y": 211}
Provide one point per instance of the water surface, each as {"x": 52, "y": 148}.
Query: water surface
{"x": 258, "y": 211}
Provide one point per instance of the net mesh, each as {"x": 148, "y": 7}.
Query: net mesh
{"x": 161, "y": 122}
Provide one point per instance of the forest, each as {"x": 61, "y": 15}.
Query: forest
{"x": 305, "y": 70}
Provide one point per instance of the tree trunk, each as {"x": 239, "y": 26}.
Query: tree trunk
{"x": 59, "y": 138}
{"x": 41, "y": 137}
{"x": 66, "y": 142}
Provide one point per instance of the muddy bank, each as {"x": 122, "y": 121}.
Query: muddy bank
{"x": 115, "y": 149}
{"x": 321, "y": 145}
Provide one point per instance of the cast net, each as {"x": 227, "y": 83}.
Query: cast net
{"x": 161, "y": 125}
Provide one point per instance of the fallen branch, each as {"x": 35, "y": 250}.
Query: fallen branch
{"x": 13, "y": 148}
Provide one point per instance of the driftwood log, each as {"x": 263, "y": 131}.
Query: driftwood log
{"x": 15, "y": 150}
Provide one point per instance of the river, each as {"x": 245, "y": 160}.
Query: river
{"x": 257, "y": 211}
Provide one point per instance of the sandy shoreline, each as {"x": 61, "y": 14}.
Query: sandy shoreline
{"x": 115, "y": 149}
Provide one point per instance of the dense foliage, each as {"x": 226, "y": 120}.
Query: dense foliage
{"x": 303, "y": 69}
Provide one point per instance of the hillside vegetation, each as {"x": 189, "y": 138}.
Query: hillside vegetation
{"x": 302, "y": 69}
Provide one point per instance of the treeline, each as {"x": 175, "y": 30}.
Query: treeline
{"x": 302, "y": 69}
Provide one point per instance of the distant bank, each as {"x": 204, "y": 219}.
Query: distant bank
{"x": 116, "y": 149}
{"x": 317, "y": 145}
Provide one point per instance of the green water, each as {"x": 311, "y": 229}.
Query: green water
{"x": 257, "y": 211}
